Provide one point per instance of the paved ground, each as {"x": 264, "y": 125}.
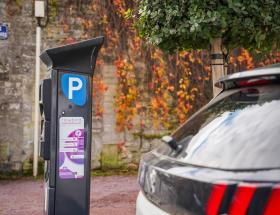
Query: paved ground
{"x": 109, "y": 195}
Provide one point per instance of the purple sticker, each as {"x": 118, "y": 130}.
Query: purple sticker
{"x": 61, "y": 158}
{"x": 71, "y": 147}
{"x": 78, "y": 156}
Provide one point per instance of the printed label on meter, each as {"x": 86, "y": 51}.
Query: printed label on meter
{"x": 71, "y": 147}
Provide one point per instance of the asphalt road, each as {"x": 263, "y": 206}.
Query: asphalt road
{"x": 109, "y": 195}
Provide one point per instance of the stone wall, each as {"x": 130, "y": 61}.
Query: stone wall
{"x": 16, "y": 85}
{"x": 68, "y": 23}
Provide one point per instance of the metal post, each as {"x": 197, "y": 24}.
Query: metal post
{"x": 217, "y": 64}
{"x": 36, "y": 102}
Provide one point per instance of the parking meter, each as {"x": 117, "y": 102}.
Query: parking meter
{"x": 66, "y": 105}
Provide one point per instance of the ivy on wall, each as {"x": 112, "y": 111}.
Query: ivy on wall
{"x": 155, "y": 90}
{"x": 169, "y": 87}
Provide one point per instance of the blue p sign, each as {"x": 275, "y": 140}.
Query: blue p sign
{"x": 74, "y": 88}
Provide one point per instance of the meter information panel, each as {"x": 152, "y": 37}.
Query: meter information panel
{"x": 71, "y": 147}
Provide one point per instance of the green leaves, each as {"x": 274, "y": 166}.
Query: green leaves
{"x": 191, "y": 24}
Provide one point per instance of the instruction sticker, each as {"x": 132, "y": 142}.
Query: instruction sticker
{"x": 71, "y": 147}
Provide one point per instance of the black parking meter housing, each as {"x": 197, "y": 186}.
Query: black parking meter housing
{"x": 45, "y": 109}
{"x": 66, "y": 106}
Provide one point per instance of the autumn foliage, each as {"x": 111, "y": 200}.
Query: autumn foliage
{"x": 157, "y": 90}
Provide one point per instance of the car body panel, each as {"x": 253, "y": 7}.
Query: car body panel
{"x": 181, "y": 189}
{"x": 144, "y": 206}
{"x": 231, "y": 144}
{"x": 267, "y": 73}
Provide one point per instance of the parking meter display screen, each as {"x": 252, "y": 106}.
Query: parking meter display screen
{"x": 71, "y": 147}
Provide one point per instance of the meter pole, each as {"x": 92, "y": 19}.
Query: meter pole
{"x": 39, "y": 14}
{"x": 36, "y": 111}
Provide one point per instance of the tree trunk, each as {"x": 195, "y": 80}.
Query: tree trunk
{"x": 217, "y": 63}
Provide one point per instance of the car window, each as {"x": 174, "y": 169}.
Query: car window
{"x": 240, "y": 129}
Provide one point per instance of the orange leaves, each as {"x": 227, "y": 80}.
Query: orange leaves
{"x": 98, "y": 90}
{"x": 119, "y": 4}
{"x": 122, "y": 9}
{"x": 171, "y": 88}
{"x": 155, "y": 103}
{"x": 191, "y": 58}
{"x": 240, "y": 58}
{"x": 271, "y": 58}
{"x": 135, "y": 44}
{"x": 184, "y": 83}
{"x": 98, "y": 86}
{"x": 207, "y": 69}
{"x": 196, "y": 71}
{"x": 126, "y": 94}
{"x": 87, "y": 24}
{"x": 194, "y": 90}
{"x": 172, "y": 92}
{"x": 160, "y": 103}
{"x": 246, "y": 60}
{"x": 180, "y": 94}
{"x": 98, "y": 110}
{"x": 156, "y": 89}
{"x": 99, "y": 62}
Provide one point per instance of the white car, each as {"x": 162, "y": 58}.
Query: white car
{"x": 224, "y": 159}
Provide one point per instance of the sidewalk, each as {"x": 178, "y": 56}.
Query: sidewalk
{"x": 109, "y": 195}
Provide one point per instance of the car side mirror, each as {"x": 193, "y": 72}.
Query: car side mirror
{"x": 171, "y": 142}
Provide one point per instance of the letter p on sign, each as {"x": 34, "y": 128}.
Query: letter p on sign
{"x": 74, "y": 88}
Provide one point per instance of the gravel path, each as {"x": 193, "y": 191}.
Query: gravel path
{"x": 109, "y": 195}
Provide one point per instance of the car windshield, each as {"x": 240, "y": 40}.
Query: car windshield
{"x": 240, "y": 129}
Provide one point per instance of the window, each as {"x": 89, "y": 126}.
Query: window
{"x": 239, "y": 129}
